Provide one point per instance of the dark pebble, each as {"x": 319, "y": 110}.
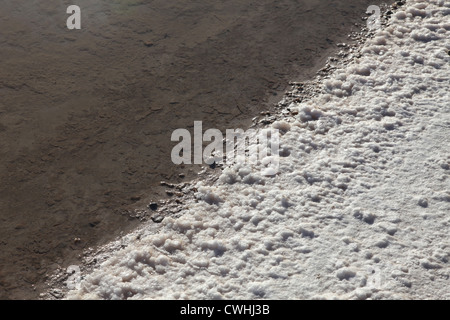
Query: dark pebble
{"x": 153, "y": 206}
{"x": 93, "y": 224}
{"x": 423, "y": 203}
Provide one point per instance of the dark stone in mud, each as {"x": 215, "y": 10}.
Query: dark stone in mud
{"x": 153, "y": 206}
{"x": 169, "y": 193}
{"x": 94, "y": 224}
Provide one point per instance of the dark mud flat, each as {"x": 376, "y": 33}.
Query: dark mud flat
{"x": 86, "y": 116}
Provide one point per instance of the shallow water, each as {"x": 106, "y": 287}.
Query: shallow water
{"x": 86, "y": 115}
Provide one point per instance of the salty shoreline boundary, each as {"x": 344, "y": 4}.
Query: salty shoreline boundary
{"x": 334, "y": 193}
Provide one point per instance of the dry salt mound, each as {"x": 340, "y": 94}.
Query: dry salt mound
{"x": 360, "y": 208}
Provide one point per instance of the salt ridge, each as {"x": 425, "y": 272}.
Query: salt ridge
{"x": 359, "y": 210}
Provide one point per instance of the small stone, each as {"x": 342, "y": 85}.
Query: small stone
{"x": 423, "y": 203}
{"x": 57, "y": 293}
{"x": 368, "y": 218}
{"x": 153, "y": 206}
{"x": 135, "y": 198}
{"x": 389, "y": 126}
{"x": 427, "y": 264}
{"x": 166, "y": 184}
{"x": 148, "y": 43}
{"x": 406, "y": 283}
{"x": 157, "y": 219}
{"x": 93, "y": 224}
{"x": 345, "y": 274}
{"x": 382, "y": 244}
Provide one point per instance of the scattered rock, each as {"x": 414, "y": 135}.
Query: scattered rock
{"x": 135, "y": 198}
{"x": 93, "y": 224}
{"x": 57, "y": 293}
{"x": 157, "y": 219}
{"x": 368, "y": 218}
{"x": 389, "y": 126}
{"x": 166, "y": 184}
{"x": 405, "y": 282}
{"x": 153, "y": 206}
{"x": 427, "y": 264}
{"x": 345, "y": 274}
{"x": 423, "y": 202}
{"x": 306, "y": 233}
{"x": 382, "y": 244}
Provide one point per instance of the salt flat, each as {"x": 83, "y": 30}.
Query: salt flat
{"x": 359, "y": 210}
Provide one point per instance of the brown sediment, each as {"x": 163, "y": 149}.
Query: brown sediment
{"x": 86, "y": 115}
